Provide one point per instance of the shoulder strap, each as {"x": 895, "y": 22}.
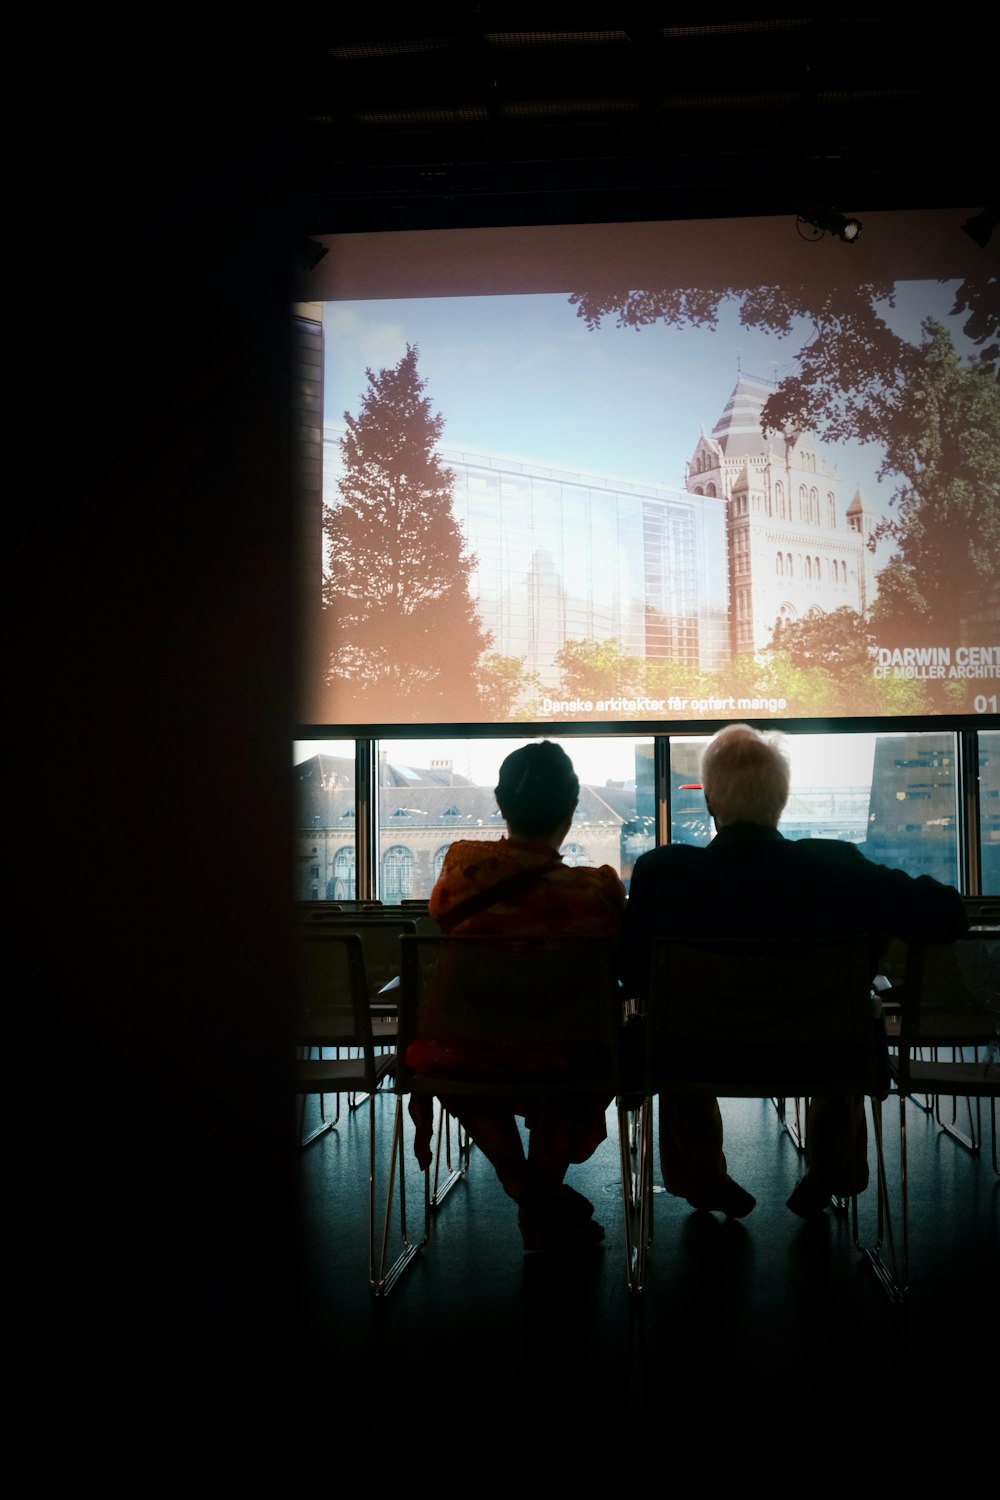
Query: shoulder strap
{"x": 511, "y": 885}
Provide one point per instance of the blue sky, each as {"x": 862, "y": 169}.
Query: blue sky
{"x": 523, "y": 376}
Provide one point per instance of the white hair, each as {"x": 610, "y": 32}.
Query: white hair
{"x": 746, "y": 775}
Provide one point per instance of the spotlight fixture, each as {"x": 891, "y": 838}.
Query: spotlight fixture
{"x": 823, "y": 218}
{"x": 980, "y": 227}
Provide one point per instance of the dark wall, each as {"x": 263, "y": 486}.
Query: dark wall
{"x": 150, "y": 653}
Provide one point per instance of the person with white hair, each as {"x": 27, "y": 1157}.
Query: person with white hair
{"x": 750, "y": 881}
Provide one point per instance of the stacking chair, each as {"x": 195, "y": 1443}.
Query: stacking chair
{"x": 959, "y": 987}
{"x": 380, "y": 948}
{"x": 381, "y": 928}
{"x": 949, "y": 1002}
{"x": 336, "y": 1016}
{"x": 335, "y": 974}
{"x": 529, "y": 991}
{"x": 756, "y": 1018}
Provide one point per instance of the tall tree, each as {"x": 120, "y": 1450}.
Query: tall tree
{"x": 944, "y": 444}
{"x": 405, "y": 637}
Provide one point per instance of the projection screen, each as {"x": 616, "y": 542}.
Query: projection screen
{"x": 648, "y": 473}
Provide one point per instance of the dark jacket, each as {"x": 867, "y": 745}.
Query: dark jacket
{"x": 751, "y": 880}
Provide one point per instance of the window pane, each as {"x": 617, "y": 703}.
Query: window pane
{"x": 913, "y": 818}
{"x": 432, "y": 792}
{"x": 989, "y": 810}
{"x": 325, "y": 845}
{"x": 689, "y": 820}
{"x": 398, "y": 867}
{"x": 894, "y": 795}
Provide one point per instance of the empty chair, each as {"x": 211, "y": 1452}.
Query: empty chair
{"x": 949, "y": 1002}
{"x": 335, "y": 976}
{"x": 380, "y": 930}
{"x": 336, "y": 1015}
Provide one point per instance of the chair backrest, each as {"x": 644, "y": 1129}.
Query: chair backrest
{"x": 334, "y": 988}
{"x": 982, "y": 911}
{"x": 753, "y": 1018}
{"x": 951, "y": 998}
{"x": 306, "y": 910}
{"x": 539, "y": 990}
{"x": 962, "y": 976}
{"x": 380, "y": 933}
{"x": 318, "y": 911}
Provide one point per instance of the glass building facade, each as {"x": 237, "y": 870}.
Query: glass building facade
{"x": 563, "y": 557}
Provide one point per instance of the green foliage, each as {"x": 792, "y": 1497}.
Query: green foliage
{"x": 836, "y": 641}
{"x": 598, "y": 669}
{"x": 678, "y": 678}
{"x": 405, "y": 638}
{"x": 503, "y": 684}
{"x": 826, "y": 661}
{"x": 855, "y": 378}
{"x": 820, "y": 666}
{"x": 851, "y": 691}
{"x": 980, "y": 301}
{"x": 851, "y": 368}
{"x": 945, "y": 444}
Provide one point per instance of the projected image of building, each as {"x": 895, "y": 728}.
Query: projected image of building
{"x": 792, "y": 546}
{"x": 696, "y": 575}
{"x": 585, "y": 557}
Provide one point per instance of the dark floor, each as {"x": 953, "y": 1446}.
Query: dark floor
{"x": 766, "y": 1317}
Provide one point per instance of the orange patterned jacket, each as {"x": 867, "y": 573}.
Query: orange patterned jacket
{"x": 564, "y": 900}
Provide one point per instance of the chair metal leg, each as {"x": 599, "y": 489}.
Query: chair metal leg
{"x": 325, "y": 1124}
{"x": 635, "y": 1132}
{"x": 454, "y": 1173}
{"x": 970, "y": 1139}
{"x": 797, "y": 1130}
{"x": 382, "y": 1277}
{"x": 320, "y": 1129}
{"x": 629, "y": 1190}
{"x": 891, "y": 1271}
{"x": 927, "y": 1103}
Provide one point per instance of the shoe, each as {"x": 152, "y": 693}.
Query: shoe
{"x": 521, "y": 1182}
{"x": 557, "y": 1224}
{"x": 574, "y": 1204}
{"x": 568, "y": 1239}
{"x": 809, "y": 1199}
{"x": 729, "y": 1199}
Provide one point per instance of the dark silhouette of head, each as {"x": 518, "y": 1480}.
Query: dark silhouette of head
{"x": 538, "y": 789}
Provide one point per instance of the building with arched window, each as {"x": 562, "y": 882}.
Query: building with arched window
{"x": 790, "y": 551}
{"x": 421, "y": 812}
